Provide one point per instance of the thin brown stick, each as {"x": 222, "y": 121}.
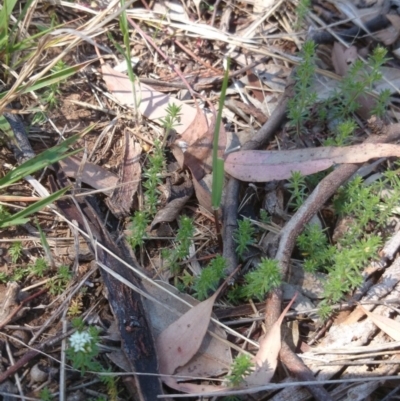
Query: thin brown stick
{"x": 32, "y": 354}
{"x": 323, "y": 191}
{"x": 286, "y": 355}
{"x": 163, "y": 55}
{"x": 263, "y": 136}
{"x": 20, "y": 306}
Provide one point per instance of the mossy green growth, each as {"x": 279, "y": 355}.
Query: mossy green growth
{"x": 299, "y": 107}
{"x": 264, "y": 278}
{"x": 241, "y": 367}
{"x": 153, "y": 179}
{"x": 209, "y": 278}
{"x": 244, "y": 236}
{"x": 365, "y": 206}
{"x": 183, "y": 238}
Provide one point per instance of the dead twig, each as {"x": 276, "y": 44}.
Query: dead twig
{"x": 20, "y": 306}
{"x": 263, "y": 136}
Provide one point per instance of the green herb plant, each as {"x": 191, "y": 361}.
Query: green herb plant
{"x": 263, "y": 279}
{"x": 359, "y": 79}
{"x": 365, "y": 207}
{"x": 244, "y": 236}
{"x": 172, "y": 257}
{"x": 58, "y": 283}
{"x": 45, "y": 394}
{"x": 153, "y": 179}
{"x": 299, "y": 106}
{"x": 171, "y": 120}
{"x": 298, "y": 189}
{"x": 39, "y": 268}
{"x": 52, "y": 91}
{"x": 241, "y": 367}
{"x": 83, "y": 352}
{"x": 15, "y": 251}
{"x": 302, "y": 8}
{"x": 210, "y": 278}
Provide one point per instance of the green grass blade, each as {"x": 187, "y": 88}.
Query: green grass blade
{"x": 5, "y": 12}
{"x": 217, "y": 183}
{"x": 45, "y": 159}
{"x": 218, "y": 164}
{"x": 21, "y": 217}
{"x": 55, "y": 77}
{"x": 50, "y": 79}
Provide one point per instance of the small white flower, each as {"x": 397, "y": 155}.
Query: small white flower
{"x": 78, "y": 340}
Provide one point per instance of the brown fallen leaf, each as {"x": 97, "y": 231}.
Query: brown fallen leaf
{"x": 390, "y": 34}
{"x": 266, "y": 358}
{"x": 343, "y": 57}
{"x": 151, "y": 104}
{"x": 91, "y": 174}
{"x": 389, "y": 326}
{"x": 263, "y": 166}
{"x": 180, "y": 341}
{"x": 213, "y": 357}
{"x": 192, "y": 388}
{"x": 121, "y": 200}
{"x": 180, "y": 194}
{"x": 177, "y": 344}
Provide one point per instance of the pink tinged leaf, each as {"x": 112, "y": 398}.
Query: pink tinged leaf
{"x": 180, "y": 341}
{"x": 343, "y": 57}
{"x": 151, "y": 103}
{"x": 266, "y": 358}
{"x": 191, "y": 388}
{"x": 389, "y": 326}
{"x": 263, "y": 166}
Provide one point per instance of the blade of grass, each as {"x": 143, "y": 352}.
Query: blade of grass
{"x": 218, "y": 163}
{"x": 21, "y": 217}
{"x": 45, "y": 159}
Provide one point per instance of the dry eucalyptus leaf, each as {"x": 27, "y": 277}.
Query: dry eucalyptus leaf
{"x": 266, "y": 358}
{"x": 93, "y": 175}
{"x": 389, "y": 326}
{"x": 121, "y": 200}
{"x": 192, "y": 388}
{"x": 213, "y": 357}
{"x": 151, "y": 104}
{"x": 263, "y": 166}
{"x": 180, "y": 194}
{"x": 180, "y": 341}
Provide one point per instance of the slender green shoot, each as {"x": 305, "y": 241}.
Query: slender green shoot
{"x": 124, "y": 26}
{"x": 44, "y": 159}
{"x": 22, "y": 216}
{"x": 218, "y": 163}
